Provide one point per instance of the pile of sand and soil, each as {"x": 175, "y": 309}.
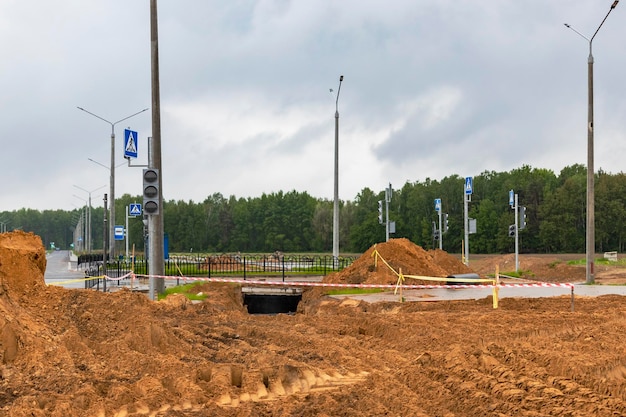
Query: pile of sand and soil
{"x": 401, "y": 255}
{"x": 75, "y": 353}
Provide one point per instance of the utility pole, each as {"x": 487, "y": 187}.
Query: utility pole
{"x": 336, "y": 183}
{"x": 104, "y": 247}
{"x": 467, "y": 197}
{"x": 516, "y": 233}
{"x": 156, "y": 261}
{"x": 388, "y": 193}
{"x": 591, "y": 227}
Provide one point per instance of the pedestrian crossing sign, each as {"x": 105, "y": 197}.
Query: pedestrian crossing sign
{"x": 134, "y": 210}
{"x": 468, "y": 185}
{"x": 130, "y": 143}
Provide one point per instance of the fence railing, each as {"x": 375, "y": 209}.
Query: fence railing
{"x": 224, "y": 265}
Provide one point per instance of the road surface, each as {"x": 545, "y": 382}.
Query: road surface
{"x": 444, "y": 294}
{"x": 61, "y": 271}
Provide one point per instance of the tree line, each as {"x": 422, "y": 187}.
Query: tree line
{"x": 297, "y": 222}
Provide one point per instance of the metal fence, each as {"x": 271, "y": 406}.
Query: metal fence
{"x": 224, "y": 265}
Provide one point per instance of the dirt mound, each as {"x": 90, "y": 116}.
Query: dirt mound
{"x": 544, "y": 268}
{"x": 22, "y": 263}
{"x": 400, "y": 255}
{"x": 84, "y": 353}
{"x": 71, "y": 353}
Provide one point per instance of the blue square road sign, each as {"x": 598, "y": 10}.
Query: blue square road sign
{"x": 134, "y": 209}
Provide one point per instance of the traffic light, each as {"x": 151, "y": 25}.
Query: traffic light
{"x": 151, "y": 191}
{"x": 512, "y": 230}
{"x": 436, "y": 234}
{"x": 522, "y": 217}
{"x": 444, "y": 225}
{"x": 380, "y": 211}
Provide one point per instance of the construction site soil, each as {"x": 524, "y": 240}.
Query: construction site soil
{"x": 67, "y": 352}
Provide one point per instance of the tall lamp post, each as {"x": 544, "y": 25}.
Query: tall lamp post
{"x": 336, "y": 193}
{"x": 84, "y": 216}
{"x": 590, "y": 249}
{"x": 3, "y": 225}
{"x": 88, "y": 237}
{"x": 112, "y": 178}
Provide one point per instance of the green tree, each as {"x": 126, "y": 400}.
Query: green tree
{"x": 322, "y": 226}
{"x": 610, "y": 209}
{"x": 366, "y": 230}
{"x": 563, "y": 213}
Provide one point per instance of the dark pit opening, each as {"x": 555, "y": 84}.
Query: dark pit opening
{"x": 271, "y": 300}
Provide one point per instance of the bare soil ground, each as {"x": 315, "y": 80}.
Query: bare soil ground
{"x": 550, "y": 268}
{"x": 82, "y": 353}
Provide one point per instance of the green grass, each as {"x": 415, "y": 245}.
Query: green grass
{"x": 604, "y": 261}
{"x": 204, "y": 254}
{"x": 518, "y": 274}
{"x": 598, "y": 261}
{"x": 195, "y": 271}
{"x": 349, "y": 291}
{"x": 188, "y": 290}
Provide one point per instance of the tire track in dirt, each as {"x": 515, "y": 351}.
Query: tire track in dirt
{"x": 604, "y": 374}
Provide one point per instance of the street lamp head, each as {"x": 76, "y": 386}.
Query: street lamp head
{"x": 614, "y": 4}
{"x": 567, "y": 25}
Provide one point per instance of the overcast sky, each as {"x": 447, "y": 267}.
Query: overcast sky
{"x": 431, "y": 88}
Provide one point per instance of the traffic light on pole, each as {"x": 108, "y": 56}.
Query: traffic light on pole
{"x": 512, "y": 230}
{"x": 380, "y": 211}
{"x": 151, "y": 191}
{"x": 522, "y": 217}
{"x": 436, "y": 234}
{"x": 444, "y": 226}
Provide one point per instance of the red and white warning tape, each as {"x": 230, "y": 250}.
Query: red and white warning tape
{"x": 335, "y": 285}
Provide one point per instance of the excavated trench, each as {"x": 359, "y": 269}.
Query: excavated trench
{"x": 271, "y": 300}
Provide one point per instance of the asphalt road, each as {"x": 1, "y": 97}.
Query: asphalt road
{"x": 60, "y": 270}
{"x": 443, "y": 294}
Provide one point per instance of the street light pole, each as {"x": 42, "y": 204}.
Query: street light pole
{"x": 156, "y": 239}
{"x": 112, "y": 177}
{"x": 590, "y": 244}
{"x": 84, "y": 216}
{"x": 88, "y": 236}
{"x": 336, "y": 179}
